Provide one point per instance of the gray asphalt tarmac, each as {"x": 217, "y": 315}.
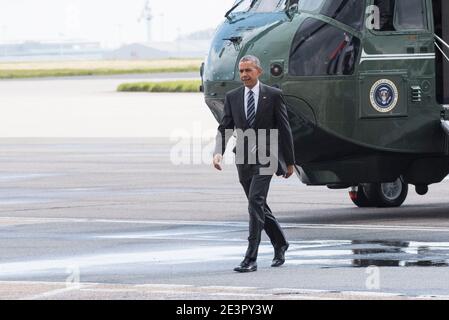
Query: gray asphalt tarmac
{"x": 115, "y": 218}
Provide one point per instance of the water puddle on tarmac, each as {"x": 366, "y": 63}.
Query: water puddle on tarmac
{"x": 357, "y": 253}
{"x": 313, "y": 253}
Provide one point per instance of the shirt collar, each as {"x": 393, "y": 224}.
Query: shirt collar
{"x": 255, "y": 90}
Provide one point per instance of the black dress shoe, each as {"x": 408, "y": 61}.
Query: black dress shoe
{"x": 246, "y": 266}
{"x": 279, "y": 256}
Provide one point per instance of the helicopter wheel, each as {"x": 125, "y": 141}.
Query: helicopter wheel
{"x": 387, "y": 195}
{"x": 359, "y": 197}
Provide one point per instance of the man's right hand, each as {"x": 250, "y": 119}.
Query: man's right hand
{"x": 218, "y": 158}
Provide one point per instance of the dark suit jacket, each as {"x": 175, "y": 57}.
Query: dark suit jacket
{"x": 271, "y": 114}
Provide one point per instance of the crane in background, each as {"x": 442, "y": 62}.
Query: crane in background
{"x": 147, "y": 15}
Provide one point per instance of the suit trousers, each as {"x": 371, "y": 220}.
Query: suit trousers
{"x": 256, "y": 188}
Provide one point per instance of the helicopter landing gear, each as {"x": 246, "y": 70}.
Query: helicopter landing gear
{"x": 422, "y": 190}
{"x": 359, "y": 198}
{"x": 381, "y": 195}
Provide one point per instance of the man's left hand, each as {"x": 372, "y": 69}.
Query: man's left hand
{"x": 290, "y": 171}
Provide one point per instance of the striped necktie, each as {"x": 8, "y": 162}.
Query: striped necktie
{"x": 251, "y": 112}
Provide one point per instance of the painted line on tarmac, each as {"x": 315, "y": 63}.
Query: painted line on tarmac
{"x": 212, "y": 291}
{"x": 237, "y": 224}
{"x": 57, "y": 292}
{"x": 177, "y": 290}
{"x": 367, "y": 227}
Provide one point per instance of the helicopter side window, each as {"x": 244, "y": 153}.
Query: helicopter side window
{"x": 320, "y": 49}
{"x": 409, "y": 15}
{"x": 386, "y": 11}
{"x": 400, "y": 15}
{"x": 349, "y": 12}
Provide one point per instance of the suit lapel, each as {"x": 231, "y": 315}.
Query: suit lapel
{"x": 260, "y": 103}
{"x": 241, "y": 104}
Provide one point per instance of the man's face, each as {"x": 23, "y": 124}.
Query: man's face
{"x": 249, "y": 73}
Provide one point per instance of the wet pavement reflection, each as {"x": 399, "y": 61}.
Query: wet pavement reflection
{"x": 410, "y": 254}
{"x": 358, "y": 253}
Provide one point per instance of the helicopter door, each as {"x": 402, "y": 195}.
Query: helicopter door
{"x": 441, "y": 25}
{"x": 393, "y": 58}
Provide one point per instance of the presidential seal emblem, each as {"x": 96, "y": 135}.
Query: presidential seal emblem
{"x": 384, "y": 96}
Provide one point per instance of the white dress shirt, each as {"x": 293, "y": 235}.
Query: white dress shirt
{"x": 256, "y": 91}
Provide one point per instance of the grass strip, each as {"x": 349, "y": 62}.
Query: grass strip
{"x": 20, "y": 74}
{"x": 165, "y": 86}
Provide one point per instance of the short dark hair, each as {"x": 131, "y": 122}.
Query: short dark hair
{"x": 253, "y": 59}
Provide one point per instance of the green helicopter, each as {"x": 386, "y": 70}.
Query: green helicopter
{"x": 366, "y": 83}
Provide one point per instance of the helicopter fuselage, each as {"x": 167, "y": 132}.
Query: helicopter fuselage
{"x": 363, "y": 103}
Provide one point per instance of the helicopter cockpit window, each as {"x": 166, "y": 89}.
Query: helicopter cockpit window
{"x": 401, "y": 15}
{"x": 320, "y": 49}
{"x": 349, "y": 12}
{"x": 269, "y": 6}
{"x": 242, "y": 6}
{"x": 259, "y": 6}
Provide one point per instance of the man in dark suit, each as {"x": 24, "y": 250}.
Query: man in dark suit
{"x": 254, "y": 111}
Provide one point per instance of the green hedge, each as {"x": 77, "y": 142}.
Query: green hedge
{"x": 165, "y": 86}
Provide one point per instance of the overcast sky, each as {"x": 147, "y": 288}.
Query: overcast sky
{"x": 108, "y": 21}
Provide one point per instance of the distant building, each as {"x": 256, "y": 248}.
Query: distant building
{"x": 135, "y": 51}
{"x": 194, "y": 45}
{"x": 191, "y": 45}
